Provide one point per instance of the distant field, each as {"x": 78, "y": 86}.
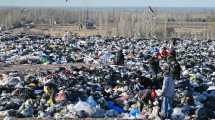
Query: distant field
{"x": 198, "y": 30}
{"x": 160, "y": 22}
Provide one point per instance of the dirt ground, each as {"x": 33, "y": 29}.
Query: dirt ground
{"x": 60, "y": 30}
{"x": 29, "y": 68}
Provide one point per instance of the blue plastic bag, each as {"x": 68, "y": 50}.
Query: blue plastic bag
{"x": 135, "y": 112}
{"x": 113, "y": 106}
{"x": 91, "y": 101}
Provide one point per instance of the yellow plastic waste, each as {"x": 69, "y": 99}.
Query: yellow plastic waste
{"x": 32, "y": 85}
{"x": 47, "y": 90}
{"x": 40, "y": 80}
{"x": 193, "y": 77}
{"x": 50, "y": 102}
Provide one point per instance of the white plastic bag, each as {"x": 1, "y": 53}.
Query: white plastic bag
{"x": 84, "y": 106}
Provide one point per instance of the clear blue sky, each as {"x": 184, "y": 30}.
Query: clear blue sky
{"x": 110, "y": 3}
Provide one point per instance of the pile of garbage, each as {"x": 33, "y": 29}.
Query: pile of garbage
{"x": 126, "y": 81}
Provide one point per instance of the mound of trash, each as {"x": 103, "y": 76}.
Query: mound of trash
{"x": 125, "y": 83}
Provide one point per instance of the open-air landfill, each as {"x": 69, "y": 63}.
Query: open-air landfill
{"x": 128, "y": 78}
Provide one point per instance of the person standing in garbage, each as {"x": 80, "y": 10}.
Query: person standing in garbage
{"x": 175, "y": 70}
{"x": 119, "y": 58}
{"x": 154, "y": 65}
{"x": 167, "y": 92}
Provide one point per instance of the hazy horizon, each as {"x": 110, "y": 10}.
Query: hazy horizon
{"x": 108, "y": 3}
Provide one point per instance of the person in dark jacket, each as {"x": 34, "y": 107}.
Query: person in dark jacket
{"x": 175, "y": 70}
{"x": 119, "y": 58}
{"x": 154, "y": 65}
